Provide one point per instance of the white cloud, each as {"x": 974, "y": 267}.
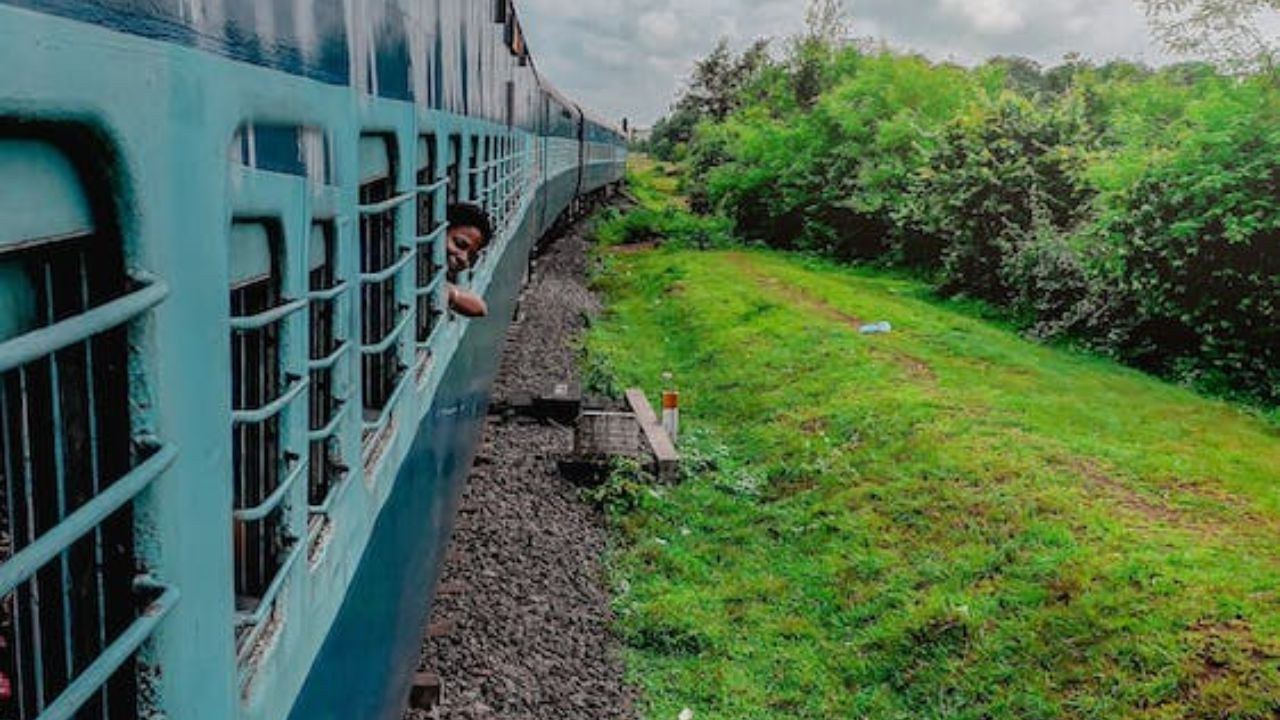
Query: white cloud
{"x": 996, "y": 17}
{"x": 659, "y": 29}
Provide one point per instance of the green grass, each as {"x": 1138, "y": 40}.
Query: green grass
{"x": 945, "y": 522}
{"x": 655, "y": 184}
{"x": 661, "y": 215}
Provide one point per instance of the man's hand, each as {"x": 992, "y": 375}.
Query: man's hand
{"x": 467, "y": 304}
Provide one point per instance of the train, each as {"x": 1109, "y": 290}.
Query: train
{"x": 236, "y": 410}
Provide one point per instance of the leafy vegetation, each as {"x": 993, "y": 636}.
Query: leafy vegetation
{"x": 662, "y": 215}
{"x": 1131, "y": 211}
{"x": 947, "y": 521}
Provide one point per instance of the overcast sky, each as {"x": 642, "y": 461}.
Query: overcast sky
{"x": 627, "y": 58}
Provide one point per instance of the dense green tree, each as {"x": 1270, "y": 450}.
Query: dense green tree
{"x": 1130, "y": 210}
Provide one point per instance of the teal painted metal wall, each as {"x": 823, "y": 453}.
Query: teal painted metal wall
{"x": 168, "y": 115}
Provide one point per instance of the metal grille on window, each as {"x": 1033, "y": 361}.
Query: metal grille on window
{"x": 509, "y": 171}
{"x": 454, "y": 174}
{"x": 492, "y": 187}
{"x": 431, "y": 233}
{"x": 477, "y": 181}
{"x": 327, "y": 351}
{"x": 385, "y": 318}
{"x": 73, "y": 611}
{"x": 263, "y": 392}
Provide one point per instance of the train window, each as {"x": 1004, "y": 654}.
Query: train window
{"x": 428, "y": 165}
{"x": 430, "y": 239}
{"x": 504, "y": 153}
{"x": 327, "y": 349}
{"x": 476, "y": 179}
{"x": 265, "y": 467}
{"x": 490, "y": 167}
{"x": 384, "y": 316}
{"x": 66, "y": 438}
{"x": 454, "y": 174}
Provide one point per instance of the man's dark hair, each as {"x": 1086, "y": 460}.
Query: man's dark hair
{"x": 466, "y": 214}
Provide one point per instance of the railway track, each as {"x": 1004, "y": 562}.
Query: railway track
{"x": 522, "y": 626}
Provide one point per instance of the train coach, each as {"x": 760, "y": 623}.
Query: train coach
{"x": 236, "y": 410}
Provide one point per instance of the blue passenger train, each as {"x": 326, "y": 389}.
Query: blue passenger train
{"x": 236, "y": 411}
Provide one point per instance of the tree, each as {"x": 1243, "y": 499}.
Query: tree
{"x": 1227, "y": 32}
{"x": 826, "y": 22}
{"x": 826, "y": 26}
{"x": 715, "y": 87}
{"x": 1022, "y": 75}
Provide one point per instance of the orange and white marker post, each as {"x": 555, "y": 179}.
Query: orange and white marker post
{"x": 670, "y": 408}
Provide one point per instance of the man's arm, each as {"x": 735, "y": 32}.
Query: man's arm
{"x": 467, "y": 304}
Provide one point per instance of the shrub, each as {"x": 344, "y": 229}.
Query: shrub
{"x": 1199, "y": 234}
{"x": 1136, "y": 212}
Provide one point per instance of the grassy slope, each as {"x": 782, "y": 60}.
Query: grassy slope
{"x": 948, "y": 521}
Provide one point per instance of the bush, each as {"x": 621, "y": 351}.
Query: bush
{"x": 1135, "y": 212}
{"x": 1199, "y": 234}
{"x": 667, "y": 226}
{"x": 996, "y": 174}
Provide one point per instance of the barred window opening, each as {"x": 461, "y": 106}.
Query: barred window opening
{"x": 257, "y": 379}
{"x": 427, "y": 268}
{"x": 325, "y": 468}
{"x": 65, "y": 437}
{"x": 454, "y": 173}
{"x": 477, "y": 181}
{"x": 381, "y": 308}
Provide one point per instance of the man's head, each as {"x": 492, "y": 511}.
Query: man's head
{"x": 470, "y": 232}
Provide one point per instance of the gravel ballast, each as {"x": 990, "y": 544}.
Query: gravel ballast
{"x": 528, "y": 614}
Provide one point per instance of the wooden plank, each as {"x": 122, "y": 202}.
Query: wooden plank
{"x": 639, "y": 405}
{"x": 666, "y": 458}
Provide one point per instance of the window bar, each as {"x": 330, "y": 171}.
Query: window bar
{"x": 33, "y": 594}
{"x": 385, "y": 206}
{"x": 430, "y": 342}
{"x": 432, "y": 287}
{"x": 36, "y": 344}
{"x": 255, "y": 622}
{"x": 325, "y": 473}
{"x": 434, "y": 236}
{"x": 96, "y": 484}
{"x": 384, "y": 417}
{"x": 95, "y": 677}
{"x": 268, "y": 318}
{"x": 393, "y": 337}
{"x": 434, "y": 187}
{"x": 330, "y": 360}
{"x": 328, "y": 431}
{"x": 260, "y": 512}
{"x": 271, "y": 410}
{"x": 332, "y": 293}
{"x": 60, "y": 476}
{"x": 382, "y": 276}
{"x": 27, "y": 562}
